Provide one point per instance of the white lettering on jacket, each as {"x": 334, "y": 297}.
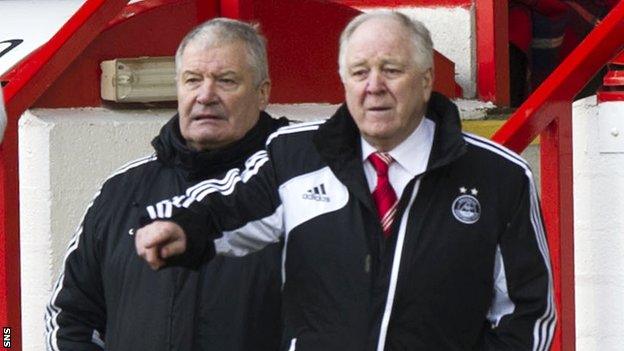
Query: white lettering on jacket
{"x": 311, "y": 195}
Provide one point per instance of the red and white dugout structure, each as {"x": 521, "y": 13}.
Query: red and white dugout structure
{"x": 69, "y": 140}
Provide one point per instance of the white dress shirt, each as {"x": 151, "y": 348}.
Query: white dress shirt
{"x": 410, "y": 157}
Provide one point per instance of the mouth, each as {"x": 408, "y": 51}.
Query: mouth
{"x": 379, "y": 108}
{"x": 207, "y": 117}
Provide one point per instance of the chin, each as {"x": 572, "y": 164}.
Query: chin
{"x": 383, "y": 131}
{"x": 207, "y": 139}
{"x": 377, "y": 136}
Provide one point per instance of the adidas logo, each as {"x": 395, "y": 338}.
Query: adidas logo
{"x": 317, "y": 194}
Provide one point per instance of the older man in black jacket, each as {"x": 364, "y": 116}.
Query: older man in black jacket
{"x": 106, "y": 297}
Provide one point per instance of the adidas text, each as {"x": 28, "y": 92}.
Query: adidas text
{"x": 316, "y": 197}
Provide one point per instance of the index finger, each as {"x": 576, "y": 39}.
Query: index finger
{"x": 157, "y": 238}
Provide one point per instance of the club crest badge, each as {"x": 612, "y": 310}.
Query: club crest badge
{"x": 466, "y": 208}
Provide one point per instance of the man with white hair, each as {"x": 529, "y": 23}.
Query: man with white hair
{"x": 106, "y": 297}
{"x": 401, "y": 232}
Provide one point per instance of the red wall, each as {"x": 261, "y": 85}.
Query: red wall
{"x": 302, "y": 47}
{"x": 149, "y": 28}
{"x": 303, "y": 50}
{"x": 395, "y": 3}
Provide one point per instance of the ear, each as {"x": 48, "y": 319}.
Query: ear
{"x": 264, "y": 91}
{"x": 427, "y": 83}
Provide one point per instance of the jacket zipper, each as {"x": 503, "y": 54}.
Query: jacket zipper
{"x": 394, "y": 275}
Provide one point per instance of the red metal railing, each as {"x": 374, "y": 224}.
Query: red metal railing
{"x": 613, "y": 82}
{"x": 548, "y": 112}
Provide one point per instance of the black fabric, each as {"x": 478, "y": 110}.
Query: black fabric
{"x": 475, "y": 207}
{"x": 518, "y": 76}
{"x": 172, "y": 151}
{"x": 226, "y": 304}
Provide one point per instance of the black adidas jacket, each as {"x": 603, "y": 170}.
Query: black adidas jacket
{"x": 106, "y": 297}
{"x": 466, "y": 268}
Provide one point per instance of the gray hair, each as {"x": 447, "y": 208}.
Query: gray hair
{"x": 219, "y": 31}
{"x": 417, "y": 32}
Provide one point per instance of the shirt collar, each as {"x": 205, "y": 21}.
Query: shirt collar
{"x": 413, "y": 153}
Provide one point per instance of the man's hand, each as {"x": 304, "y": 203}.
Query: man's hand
{"x": 158, "y": 241}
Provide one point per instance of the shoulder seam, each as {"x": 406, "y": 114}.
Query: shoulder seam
{"x": 132, "y": 164}
{"x": 496, "y": 148}
{"x": 302, "y": 127}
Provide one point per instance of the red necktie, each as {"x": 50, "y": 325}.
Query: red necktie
{"x": 384, "y": 196}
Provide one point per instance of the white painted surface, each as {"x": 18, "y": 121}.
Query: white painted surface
{"x": 453, "y": 34}
{"x": 468, "y": 109}
{"x": 36, "y": 238}
{"x": 302, "y": 112}
{"x": 473, "y": 109}
{"x": 34, "y": 21}
{"x": 598, "y": 231}
{"x": 611, "y": 127}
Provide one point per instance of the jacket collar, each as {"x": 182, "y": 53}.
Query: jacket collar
{"x": 338, "y": 143}
{"x": 448, "y": 141}
{"x": 172, "y": 151}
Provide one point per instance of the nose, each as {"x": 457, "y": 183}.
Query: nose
{"x": 375, "y": 83}
{"x": 206, "y": 93}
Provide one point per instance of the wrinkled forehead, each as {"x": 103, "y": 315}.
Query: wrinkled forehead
{"x": 379, "y": 37}
{"x": 203, "y": 46}
{"x": 224, "y": 53}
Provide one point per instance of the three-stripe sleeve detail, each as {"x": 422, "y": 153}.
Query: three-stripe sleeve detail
{"x": 227, "y": 184}
{"x": 196, "y": 193}
{"x": 543, "y": 329}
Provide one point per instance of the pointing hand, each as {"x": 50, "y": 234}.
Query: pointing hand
{"x": 158, "y": 241}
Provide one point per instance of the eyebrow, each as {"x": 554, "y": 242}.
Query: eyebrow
{"x": 393, "y": 63}
{"x": 229, "y": 72}
{"x": 188, "y": 73}
{"x": 220, "y": 74}
{"x": 359, "y": 62}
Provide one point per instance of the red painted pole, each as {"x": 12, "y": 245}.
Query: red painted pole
{"x": 27, "y": 81}
{"x": 9, "y": 238}
{"x": 492, "y": 51}
{"x": 536, "y": 113}
{"x": 206, "y": 10}
{"x": 238, "y": 9}
{"x": 558, "y": 209}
